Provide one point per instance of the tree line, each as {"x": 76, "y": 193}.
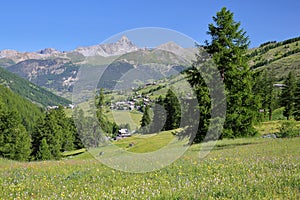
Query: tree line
{"x": 52, "y": 133}
{"x": 166, "y": 114}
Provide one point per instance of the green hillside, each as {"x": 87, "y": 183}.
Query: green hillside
{"x": 28, "y": 111}
{"x": 30, "y": 91}
{"x": 280, "y": 57}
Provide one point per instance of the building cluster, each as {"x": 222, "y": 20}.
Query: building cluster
{"x": 134, "y": 103}
{"x": 71, "y": 106}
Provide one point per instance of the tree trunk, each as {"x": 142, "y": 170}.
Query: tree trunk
{"x": 270, "y": 114}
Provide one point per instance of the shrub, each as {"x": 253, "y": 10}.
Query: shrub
{"x": 288, "y": 129}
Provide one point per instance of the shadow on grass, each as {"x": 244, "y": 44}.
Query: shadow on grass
{"x": 224, "y": 146}
{"x": 230, "y": 146}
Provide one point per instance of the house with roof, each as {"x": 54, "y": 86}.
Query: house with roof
{"x": 124, "y": 133}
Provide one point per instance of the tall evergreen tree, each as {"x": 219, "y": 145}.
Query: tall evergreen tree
{"x": 173, "y": 111}
{"x": 159, "y": 116}
{"x": 228, "y": 47}
{"x": 297, "y": 101}
{"x": 265, "y": 92}
{"x": 15, "y": 142}
{"x": 201, "y": 75}
{"x": 270, "y": 95}
{"x": 22, "y": 144}
{"x": 288, "y": 95}
{"x": 146, "y": 120}
{"x": 106, "y": 126}
{"x": 44, "y": 152}
{"x": 53, "y": 133}
{"x": 65, "y": 124}
{"x": 59, "y": 132}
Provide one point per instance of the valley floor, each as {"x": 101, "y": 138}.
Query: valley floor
{"x": 254, "y": 168}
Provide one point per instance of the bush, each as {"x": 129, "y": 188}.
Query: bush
{"x": 288, "y": 129}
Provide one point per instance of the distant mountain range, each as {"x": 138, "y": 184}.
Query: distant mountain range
{"x": 58, "y": 71}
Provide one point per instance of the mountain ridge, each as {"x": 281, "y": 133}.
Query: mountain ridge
{"x": 30, "y": 91}
{"x": 57, "y": 70}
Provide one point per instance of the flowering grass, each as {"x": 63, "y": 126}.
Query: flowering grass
{"x": 254, "y": 168}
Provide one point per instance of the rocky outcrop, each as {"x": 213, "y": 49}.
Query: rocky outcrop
{"x": 48, "y": 51}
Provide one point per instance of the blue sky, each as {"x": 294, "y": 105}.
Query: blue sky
{"x": 33, "y": 25}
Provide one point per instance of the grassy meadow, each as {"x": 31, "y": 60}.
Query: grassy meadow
{"x": 250, "y": 168}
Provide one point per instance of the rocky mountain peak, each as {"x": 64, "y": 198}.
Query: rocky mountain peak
{"x": 7, "y": 53}
{"x": 124, "y": 39}
{"x": 48, "y": 51}
{"x": 184, "y": 53}
{"x": 169, "y": 46}
{"x": 122, "y": 46}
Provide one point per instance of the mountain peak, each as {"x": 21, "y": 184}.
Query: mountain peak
{"x": 122, "y": 46}
{"x": 169, "y": 46}
{"x": 124, "y": 39}
{"x": 48, "y": 51}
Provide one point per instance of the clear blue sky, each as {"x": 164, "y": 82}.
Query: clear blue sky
{"x": 29, "y": 25}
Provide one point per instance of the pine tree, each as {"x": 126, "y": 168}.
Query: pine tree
{"x": 80, "y": 121}
{"x": 44, "y": 152}
{"x": 22, "y": 146}
{"x": 173, "y": 111}
{"x": 288, "y": 95}
{"x": 297, "y": 101}
{"x": 228, "y": 47}
{"x": 53, "y": 133}
{"x": 106, "y": 126}
{"x": 198, "y": 76}
{"x": 270, "y": 95}
{"x": 159, "y": 116}
{"x": 77, "y": 143}
{"x": 15, "y": 142}
{"x": 146, "y": 120}
{"x": 99, "y": 101}
{"x": 49, "y": 129}
{"x": 66, "y": 125}
{"x": 265, "y": 92}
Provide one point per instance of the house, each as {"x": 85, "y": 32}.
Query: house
{"x": 72, "y": 106}
{"x": 52, "y": 107}
{"x": 124, "y": 133}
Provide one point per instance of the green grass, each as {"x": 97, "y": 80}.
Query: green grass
{"x": 254, "y": 168}
{"x": 74, "y": 152}
{"x": 133, "y": 118}
{"x": 146, "y": 143}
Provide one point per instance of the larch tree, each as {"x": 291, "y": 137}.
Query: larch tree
{"x": 146, "y": 120}
{"x": 228, "y": 47}
{"x": 15, "y": 141}
{"x": 296, "y": 112}
{"x": 288, "y": 95}
{"x": 173, "y": 111}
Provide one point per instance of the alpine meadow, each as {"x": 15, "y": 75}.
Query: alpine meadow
{"x": 119, "y": 120}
